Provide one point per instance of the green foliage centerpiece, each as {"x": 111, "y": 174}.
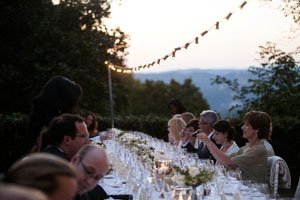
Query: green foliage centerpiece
{"x": 192, "y": 176}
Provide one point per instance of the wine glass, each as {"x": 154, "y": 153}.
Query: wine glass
{"x": 259, "y": 191}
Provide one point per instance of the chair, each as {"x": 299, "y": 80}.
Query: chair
{"x": 278, "y": 174}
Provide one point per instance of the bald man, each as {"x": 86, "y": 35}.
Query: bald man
{"x": 91, "y": 164}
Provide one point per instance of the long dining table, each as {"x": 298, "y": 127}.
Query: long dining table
{"x": 132, "y": 176}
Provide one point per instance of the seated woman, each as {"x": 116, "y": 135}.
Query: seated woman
{"x": 175, "y": 125}
{"x": 48, "y": 173}
{"x": 91, "y": 124}
{"x": 252, "y": 158}
{"x": 224, "y": 134}
{"x": 17, "y": 192}
{"x": 187, "y": 117}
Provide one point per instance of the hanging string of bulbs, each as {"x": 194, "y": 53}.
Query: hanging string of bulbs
{"x": 216, "y": 26}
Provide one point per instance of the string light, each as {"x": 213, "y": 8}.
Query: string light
{"x": 121, "y": 69}
{"x": 228, "y": 16}
{"x": 186, "y": 45}
{"x": 243, "y": 4}
{"x": 217, "y": 25}
{"x": 202, "y": 34}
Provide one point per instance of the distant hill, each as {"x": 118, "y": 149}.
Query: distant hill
{"x": 219, "y": 97}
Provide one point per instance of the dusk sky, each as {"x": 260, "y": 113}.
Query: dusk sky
{"x": 156, "y": 27}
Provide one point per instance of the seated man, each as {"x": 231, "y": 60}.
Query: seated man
{"x": 207, "y": 119}
{"x": 91, "y": 164}
{"x": 65, "y": 135}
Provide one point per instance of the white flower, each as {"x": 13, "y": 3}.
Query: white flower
{"x": 128, "y": 136}
{"x": 178, "y": 179}
{"x": 158, "y": 155}
{"x": 193, "y": 171}
{"x": 142, "y": 146}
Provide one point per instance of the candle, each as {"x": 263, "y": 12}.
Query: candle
{"x": 180, "y": 196}
{"x": 163, "y": 168}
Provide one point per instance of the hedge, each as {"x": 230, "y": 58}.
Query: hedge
{"x": 14, "y": 140}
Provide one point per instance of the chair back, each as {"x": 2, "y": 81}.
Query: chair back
{"x": 278, "y": 174}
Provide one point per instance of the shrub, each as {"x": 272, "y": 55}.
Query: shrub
{"x": 14, "y": 143}
{"x": 14, "y": 140}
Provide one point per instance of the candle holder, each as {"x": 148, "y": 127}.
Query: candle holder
{"x": 192, "y": 176}
{"x": 161, "y": 169}
{"x": 181, "y": 192}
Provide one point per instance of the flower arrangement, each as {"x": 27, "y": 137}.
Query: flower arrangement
{"x": 192, "y": 176}
{"x": 138, "y": 145}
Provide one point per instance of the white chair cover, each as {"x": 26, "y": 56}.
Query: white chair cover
{"x": 284, "y": 176}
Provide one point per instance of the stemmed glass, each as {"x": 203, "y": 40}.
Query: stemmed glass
{"x": 259, "y": 191}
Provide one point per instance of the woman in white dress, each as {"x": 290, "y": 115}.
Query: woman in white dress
{"x": 224, "y": 134}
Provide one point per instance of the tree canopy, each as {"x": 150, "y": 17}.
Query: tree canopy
{"x": 276, "y": 87}
{"x": 152, "y": 97}
{"x": 40, "y": 40}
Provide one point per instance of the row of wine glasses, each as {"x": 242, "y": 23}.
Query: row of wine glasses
{"x": 137, "y": 176}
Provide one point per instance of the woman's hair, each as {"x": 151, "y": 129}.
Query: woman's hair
{"x": 40, "y": 171}
{"x": 59, "y": 95}
{"x": 93, "y": 128}
{"x": 224, "y": 126}
{"x": 176, "y": 125}
{"x": 178, "y": 104}
{"x": 193, "y": 123}
{"x": 187, "y": 116}
{"x": 260, "y": 121}
{"x": 17, "y": 192}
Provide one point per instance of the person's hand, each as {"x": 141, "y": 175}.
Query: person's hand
{"x": 107, "y": 135}
{"x": 184, "y": 137}
{"x": 170, "y": 138}
{"x": 203, "y": 137}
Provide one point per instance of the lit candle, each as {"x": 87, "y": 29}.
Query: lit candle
{"x": 180, "y": 196}
{"x": 163, "y": 168}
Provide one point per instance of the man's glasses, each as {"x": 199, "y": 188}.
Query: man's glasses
{"x": 89, "y": 173}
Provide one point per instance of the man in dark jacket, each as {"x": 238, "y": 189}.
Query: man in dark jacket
{"x": 64, "y": 137}
{"x": 207, "y": 119}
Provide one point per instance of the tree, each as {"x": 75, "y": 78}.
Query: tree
{"x": 276, "y": 88}
{"x": 41, "y": 40}
{"x": 292, "y": 7}
{"x": 152, "y": 97}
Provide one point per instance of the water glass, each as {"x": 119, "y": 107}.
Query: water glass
{"x": 260, "y": 191}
